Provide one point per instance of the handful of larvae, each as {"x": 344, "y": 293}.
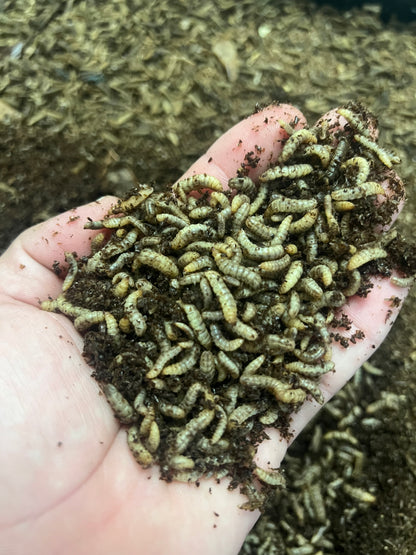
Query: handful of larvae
{"x": 207, "y": 317}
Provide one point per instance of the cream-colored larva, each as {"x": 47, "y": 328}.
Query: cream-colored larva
{"x": 200, "y": 212}
{"x": 153, "y": 437}
{"x": 254, "y": 365}
{"x": 310, "y": 287}
{"x": 140, "y": 453}
{"x": 238, "y": 201}
{"x": 134, "y": 201}
{"x": 187, "y": 258}
{"x": 387, "y": 158}
{"x": 192, "y": 394}
{"x": 339, "y": 154}
{"x": 250, "y": 311}
{"x": 206, "y": 292}
{"x": 113, "y": 248}
{"x": 355, "y": 121}
{"x": 229, "y": 365}
{"x": 131, "y": 311}
{"x": 271, "y": 477}
{"x": 293, "y": 142}
{"x": 172, "y": 411}
{"x": 162, "y": 360}
{"x": 323, "y": 152}
{"x": 225, "y": 298}
{"x": 180, "y": 462}
{"x": 88, "y": 319}
{"x": 257, "y": 252}
{"x": 240, "y": 216}
{"x": 256, "y": 225}
{"x": 207, "y": 366}
{"x": 244, "y": 330}
{"x": 221, "y": 426}
{"x": 364, "y": 256}
{"x": 359, "y": 191}
{"x": 242, "y": 184}
{"x": 305, "y": 222}
{"x": 189, "y": 234}
{"x": 297, "y": 170}
{"x": 322, "y": 273}
{"x": 198, "y": 264}
{"x": 260, "y": 198}
{"x": 278, "y": 343}
{"x": 197, "y": 324}
{"x": 222, "y": 342}
{"x": 191, "y": 428}
{"x": 121, "y": 407}
{"x": 186, "y": 363}
{"x": 195, "y": 183}
{"x": 242, "y": 413}
{"x": 402, "y": 281}
{"x": 273, "y": 267}
{"x": 72, "y": 271}
{"x": 353, "y": 285}
{"x": 292, "y": 276}
{"x": 361, "y": 166}
{"x": 231, "y": 268}
{"x": 313, "y": 370}
{"x": 159, "y": 262}
{"x": 281, "y": 391}
{"x": 222, "y": 218}
{"x": 220, "y": 199}
{"x": 359, "y": 494}
{"x": 286, "y": 204}
{"x": 171, "y": 219}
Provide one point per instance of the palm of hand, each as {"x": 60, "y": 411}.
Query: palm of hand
{"x": 69, "y": 482}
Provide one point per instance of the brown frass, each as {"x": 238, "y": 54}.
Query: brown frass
{"x": 206, "y": 318}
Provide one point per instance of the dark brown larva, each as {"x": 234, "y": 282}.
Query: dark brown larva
{"x": 206, "y": 317}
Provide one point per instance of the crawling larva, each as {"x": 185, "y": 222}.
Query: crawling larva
{"x": 121, "y": 407}
{"x": 189, "y": 234}
{"x": 134, "y": 201}
{"x": 196, "y": 183}
{"x": 355, "y": 121}
{"x": 187, "y": 362}
{"x": 292, "y": 276}
{"x": 195, "y": 425}
{"x": 72, "y": 271}
{"x": 159, "y": 262}
{"x": 305, "y": 222}
{"x": 139, "y": 451}
{"x": 197, "y": 324}
{"x": 364, "y": 256}
{"x": 271, "y": 477}
{"x": 282, "y": 391}
{"x": 226, "y": 299}
{"x": 359, "y": 191}
{"x": 256, "y": 252}
{"x": 131, "y": 311}
{"x": 293, "y": 142}
{"x": 387, "y": 158}
{"x": 222, "y": 342}
{"x": 297, "y": 170}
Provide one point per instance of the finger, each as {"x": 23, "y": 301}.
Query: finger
{"x": 26, "y": 268}
{"x": 258, "y": 138}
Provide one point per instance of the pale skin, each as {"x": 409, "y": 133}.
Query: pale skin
{"x": 68, "y": 481}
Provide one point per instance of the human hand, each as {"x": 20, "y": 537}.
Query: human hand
{"x": 69, "y": 482}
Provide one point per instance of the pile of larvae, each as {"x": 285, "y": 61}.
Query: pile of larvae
{"x": 208, "y": 314}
